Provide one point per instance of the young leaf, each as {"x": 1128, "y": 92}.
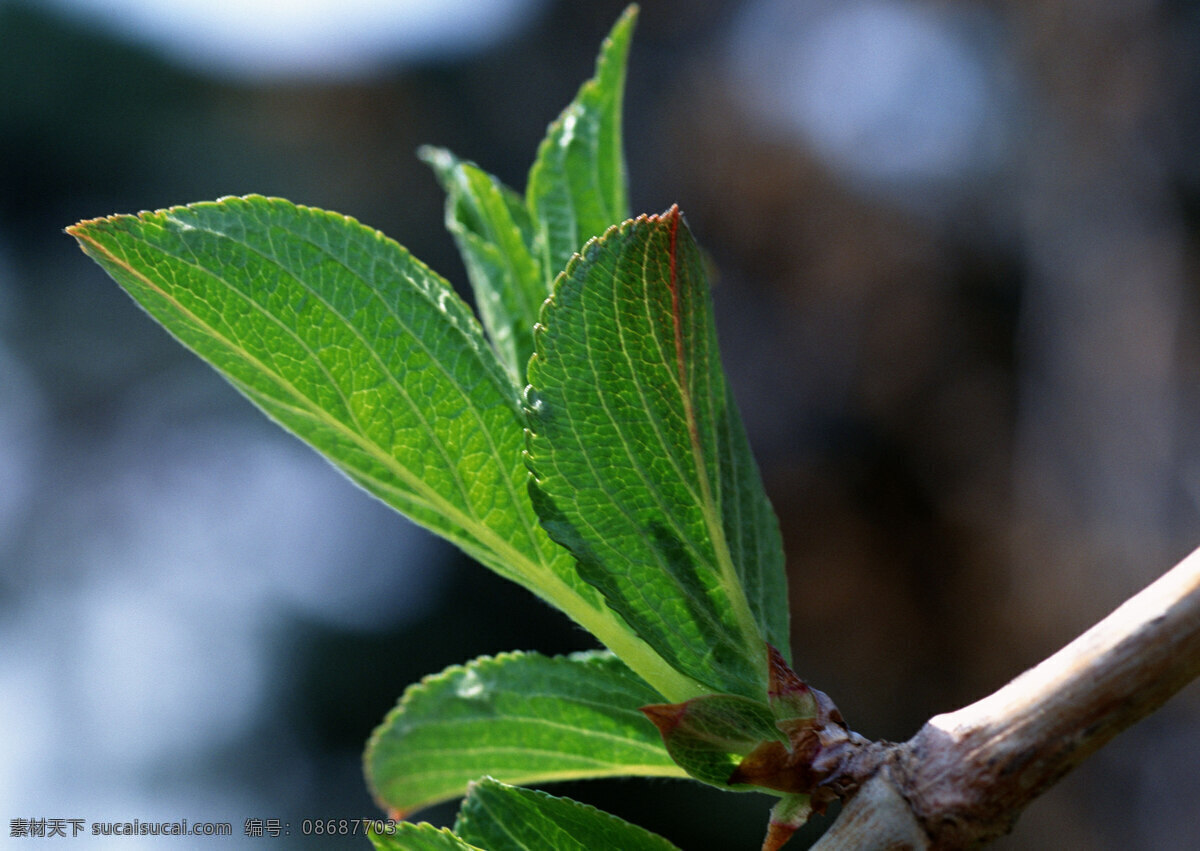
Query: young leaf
{"x": 787, "y": 816}
{"x": 640, "y": 464}
{"x": 345, "y": 339}
{"x": 492, "y": 228}
{"x": 522, "y": 717}
{"x": 708, "y": 735}
{"x": 789, "y": 696}
{"x": 418, "y": 837}
{"x": 816, "y": 745}
{"x": 577, "y": 186}
{"x": 505, "y": 818}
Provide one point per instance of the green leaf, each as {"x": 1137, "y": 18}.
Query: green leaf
{"x": 708, "y": 735}
{"x": 577, "y": 186}
{"x": 492, "y": 228}
{"x": 641, "y": 465}
{"x": 522, "y": 717}
{"x": 505, "y": 818}
{"x": 345, "y": 339}
{"x": 418, "y": 837}
{"x": 789, "y": 697}
{"x": 787, "y": 816}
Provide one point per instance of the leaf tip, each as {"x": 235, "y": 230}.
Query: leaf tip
{"x": 777, "y": 836}
{"x": 790, "y": 697}
{"x": 665, "y": 716}
{"x": 441, "y": 161}
{"x": 433, "y": 154}
{"x": 80, "y": 229}
{"x": 787, "y": 816}
{"x": 669, "y": 216}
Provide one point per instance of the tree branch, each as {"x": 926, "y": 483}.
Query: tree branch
{"x": 963, "y": 779}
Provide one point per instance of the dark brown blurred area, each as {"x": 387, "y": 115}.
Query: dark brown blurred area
{"x": 973, "y": 397}
{"x": 1011, "y": 450}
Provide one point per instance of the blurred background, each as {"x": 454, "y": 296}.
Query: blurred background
{"x": 957, "y": 292}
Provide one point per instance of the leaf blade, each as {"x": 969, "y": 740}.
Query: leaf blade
{"x": 345, "y": 339}
{"x": 492, "y": 229}
{"x": 709, "y": 735}
{"x": 578, "y": 183}
{"x": 280, "y": 300}
{"x": 522, "y": 717}
{"x": 640, "y": 464}
{"x": 500, "y": 817}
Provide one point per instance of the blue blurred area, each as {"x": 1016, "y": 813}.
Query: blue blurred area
{"x": 312, "y": 39}
{"x": 953, "y": 248}
{"x": 901, "y": 98}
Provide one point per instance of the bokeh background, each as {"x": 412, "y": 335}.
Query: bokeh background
{"x": 957, "y": 292}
